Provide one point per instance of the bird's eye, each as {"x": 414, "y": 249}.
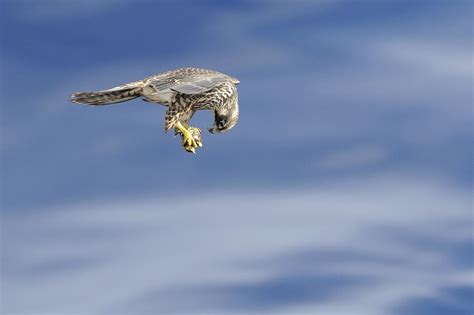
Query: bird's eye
{"x": 221, "y": 124}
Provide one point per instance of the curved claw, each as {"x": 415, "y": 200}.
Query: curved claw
{"x": 196, "y": 134}
{"x": 190, "y": 136}
{"x": 191, "y": 150}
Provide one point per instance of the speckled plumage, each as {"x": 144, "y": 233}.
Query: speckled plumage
{"x": 183, "y": 91}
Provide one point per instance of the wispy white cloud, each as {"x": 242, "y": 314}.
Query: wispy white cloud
{"x": 151, "y": 254}
{"x": 429, "y": 56}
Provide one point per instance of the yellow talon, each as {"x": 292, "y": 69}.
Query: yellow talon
{"x": 196, "y": 133}
{"x": 191, "y": 136}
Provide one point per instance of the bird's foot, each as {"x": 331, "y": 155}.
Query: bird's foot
{"x": 196, "y": 134}
{"x": 191, "y": 137}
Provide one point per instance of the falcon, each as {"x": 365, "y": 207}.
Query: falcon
{"x": 184, "y": 91}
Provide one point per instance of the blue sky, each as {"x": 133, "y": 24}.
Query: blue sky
{"x": 345, "y": 187}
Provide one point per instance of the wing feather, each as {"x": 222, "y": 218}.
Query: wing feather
{"x": 199, "y": 84}
{"x": 191, "y": 84}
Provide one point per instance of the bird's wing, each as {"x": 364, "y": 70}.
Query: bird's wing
{"x": 198, "y": 84}
{"x": 191, "y": 84}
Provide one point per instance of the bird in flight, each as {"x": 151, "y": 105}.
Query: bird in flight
{"x": 183, "y": 91}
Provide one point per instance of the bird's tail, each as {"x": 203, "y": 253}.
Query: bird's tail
{"x": 115, "y": 95}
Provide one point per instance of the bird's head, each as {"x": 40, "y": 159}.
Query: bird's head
{"x": 226, "y": 117}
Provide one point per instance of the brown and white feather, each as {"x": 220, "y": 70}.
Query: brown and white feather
{"x": 183, "y": 90}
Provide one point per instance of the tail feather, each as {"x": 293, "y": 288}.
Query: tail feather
{"x": 112, "y": 96}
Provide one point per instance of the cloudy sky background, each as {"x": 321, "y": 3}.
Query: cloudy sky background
{"x": 345, "y": 187}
